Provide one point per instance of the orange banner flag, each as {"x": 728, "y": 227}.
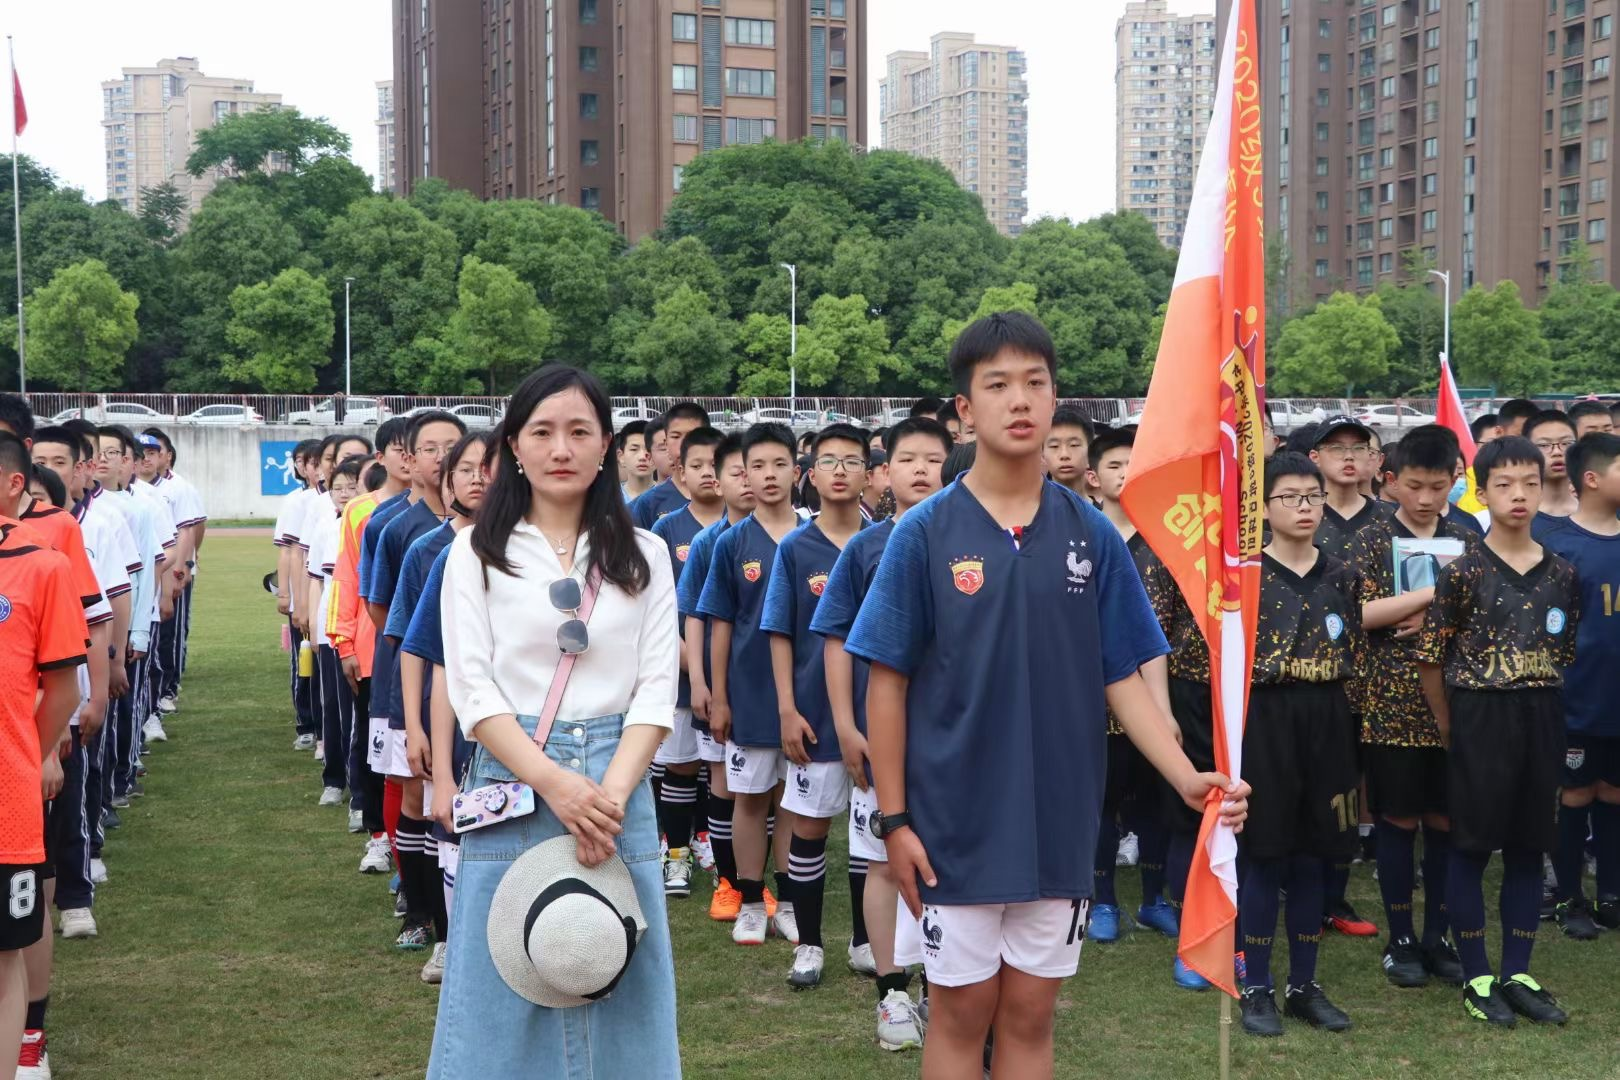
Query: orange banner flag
{"x": 1194, "y": 490}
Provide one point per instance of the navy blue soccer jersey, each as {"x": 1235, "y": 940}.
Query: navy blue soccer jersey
{"x": 387, "y": 563}
{"x": 689, "y": 590}
{"x": 372, "y": 534}
{"x": 804, "y": 563}
{"x": 1592, "y": 682}
{"x": 735, "y": 593}
{"x": 677, "y": 531}
{"x": 424, "y": 637}
{"x": 1005, "y": 648}
{"x": 413, "y": 576}
{"x": 847, "y": 586}
{"x": 660, "y": 499}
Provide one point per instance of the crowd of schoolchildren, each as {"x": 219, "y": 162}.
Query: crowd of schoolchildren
{"x": 99, "y": 538}
{"x": 873, "y": 629}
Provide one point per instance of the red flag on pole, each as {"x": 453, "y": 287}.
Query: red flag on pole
{"x": 1450, "y": 411}
{"x": 1195, "y": 485}
{"x": 19, "y": 108}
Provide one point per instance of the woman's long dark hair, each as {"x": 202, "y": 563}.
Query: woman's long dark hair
{"x": 614, "y": 551}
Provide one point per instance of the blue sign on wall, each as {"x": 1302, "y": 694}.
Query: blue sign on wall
{"x": 276, "y": 475}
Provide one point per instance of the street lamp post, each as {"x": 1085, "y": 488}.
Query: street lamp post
{"x": 347, "y": 358}
{"x": 1445, "y": 276}
{"x": 793, "y": 336}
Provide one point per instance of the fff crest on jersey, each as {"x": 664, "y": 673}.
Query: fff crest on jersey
{"x": 5, "y": 608}
{"x": 751, "y": 569}
{"x": 968, "y": 575}
{"x": 681, "y": 550}
{"x": 817, "y": 583}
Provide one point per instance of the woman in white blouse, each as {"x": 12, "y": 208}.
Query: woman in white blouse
{"x": 554, "y": 511}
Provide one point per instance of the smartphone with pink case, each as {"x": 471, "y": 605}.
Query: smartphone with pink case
{"x": 490, "y": 805}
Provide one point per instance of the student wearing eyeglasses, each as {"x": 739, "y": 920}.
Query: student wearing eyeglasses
{"x": 552, "y": 527}
{"x": 1553, "y": 434}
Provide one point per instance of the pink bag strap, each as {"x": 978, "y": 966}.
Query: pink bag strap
{"x": 565, "y": 667}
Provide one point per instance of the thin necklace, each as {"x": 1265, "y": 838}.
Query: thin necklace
{"x": 559, "y": 548}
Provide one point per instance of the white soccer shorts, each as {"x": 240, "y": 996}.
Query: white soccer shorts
{"x": 963, "y": 944}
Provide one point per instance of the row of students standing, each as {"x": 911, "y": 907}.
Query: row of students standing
{"x": 127, "y": 529}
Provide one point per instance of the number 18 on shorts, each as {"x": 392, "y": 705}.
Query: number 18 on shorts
{"x": 963, "y": 944}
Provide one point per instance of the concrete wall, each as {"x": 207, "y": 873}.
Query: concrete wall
{"x": 227, "y": 464}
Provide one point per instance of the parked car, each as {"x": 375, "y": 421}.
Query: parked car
{"x": 770, "y": 415}
{"x": 1393, "y": 416}
{"x": 626, "y": 414}
{"x": 131, "y": 413}
{"x": 477, "y": 416}
{"x": 887, "y": 419}
{"x": 356, "y": 410}
{"x": 239, "y": 415}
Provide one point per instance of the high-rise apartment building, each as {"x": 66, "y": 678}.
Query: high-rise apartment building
{"x": 1472, "y": 133}
{"x": 150, "y": 120}
{"x": 964, "y": 104}
{"x": 386, "y": 170}
{"x": 602, "y": 103}
{"x": 1164, "y": 92}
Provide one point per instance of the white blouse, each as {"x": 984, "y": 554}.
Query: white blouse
{"x": 500, "y": 643}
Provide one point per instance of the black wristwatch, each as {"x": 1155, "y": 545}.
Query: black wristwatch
{"x": 886, "y": 825}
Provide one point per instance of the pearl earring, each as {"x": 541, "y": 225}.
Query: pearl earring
{"x": 520, "y": 468}
{"x": 601, "y": 464}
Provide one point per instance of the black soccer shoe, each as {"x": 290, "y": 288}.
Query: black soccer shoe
{"x": 1441, "y": 961}
{"x": 1310, "y": 1004}
{"x": 1526, "y": 997}
{"x": 1575, "y": 919}
{"x": 1403, "y": 964}
{"x": 1607, "y": 912}
{"x": 1260, "y": 1012}
{"x": 1483, "y": 999}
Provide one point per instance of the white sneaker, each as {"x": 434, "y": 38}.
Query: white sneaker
{"x": 375, "y": 860}
{"x": 167, "y": 705}
{"x": 304, "y": 742}
{"x": 433, "y": 970}
{"x": 331, "y": 797}
{"x": 678, "y": 873}
{"x": 98, "y": 872}
{"x": 153, "y": 729}
{"x": 320, "y": 751}
{"x": 1130, "y": 850}
{"x": 898, "y": 1026}
{"x": 78, "y": 922}
{"x": 703, "y": 851}
{"x": 357, "y": 822}
{"x": 807, "y": 961}
{"x": 861, "y": 960}
{"x": 749, "y": 929}
{"x": 33, "y": 1060}
{"x": 784, "y": 924}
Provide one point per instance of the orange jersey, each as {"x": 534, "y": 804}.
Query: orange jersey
{"x": 41, "y": 627}
{"x": 60, "y": 531}
{"x": 347, "y": 623}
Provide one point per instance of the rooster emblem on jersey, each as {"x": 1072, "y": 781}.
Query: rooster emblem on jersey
{"x": 933, "y": 933}
{"x": 1079, "y": 569}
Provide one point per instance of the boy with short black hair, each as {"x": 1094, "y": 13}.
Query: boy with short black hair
{"x": 678, "y": 753}
{"x": 739, "y": 503}
{"x": 1552, "y": 433}
{"x": 1589, "y": 540}
{"x": 635, "y": 460}
{"x": 669, "y": 495}
{"x": 1403, "y": 756}
{"x": 1486, "y": 428}
{"x": 919, "y": 447}
{"x": 1493, "y": 647}
{"x": 990, "y": 669}
{"x": 1299, "y": 749}
{"x": 1066, "y": 455}
{"x": 927, "y": 407}
{"x": 1591, "y": 417}
{"x": 743, "y": 706}
{"x": 1513, "y": 415}
{"x": 818, "y": 786}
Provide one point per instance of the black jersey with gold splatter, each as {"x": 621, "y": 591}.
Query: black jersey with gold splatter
{"x": 1336, "y": 532}
{"x": 1388, "y": 688}
{"x": 1189, "y": 653}
{"x": 1136, "y": 545}
{"x": 1310, "y": 625}
{"x": 1493, "y": 628}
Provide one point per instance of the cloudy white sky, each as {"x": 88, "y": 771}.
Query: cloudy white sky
{"x": 324, "y": 56}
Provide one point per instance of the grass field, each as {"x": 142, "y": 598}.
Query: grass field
{"x": 239, "y": 941}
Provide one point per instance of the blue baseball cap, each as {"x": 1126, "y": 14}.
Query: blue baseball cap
{"x": 148, "y": 442}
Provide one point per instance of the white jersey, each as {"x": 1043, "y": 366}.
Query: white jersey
{"x": 320, "y": 564}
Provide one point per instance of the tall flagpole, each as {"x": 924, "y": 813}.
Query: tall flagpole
{"x": 16, "y": 221}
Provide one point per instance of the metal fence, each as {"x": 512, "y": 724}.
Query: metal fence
{"x": 1386, "y": 415}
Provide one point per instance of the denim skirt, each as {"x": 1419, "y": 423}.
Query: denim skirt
{"x": 483, "y": 1028}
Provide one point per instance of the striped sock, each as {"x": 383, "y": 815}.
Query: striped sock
{"x": 725, "y": 856}
{"x": 857, "y": 901}
{"x": 807, "y": 870}
{"x": 677, "y": 803}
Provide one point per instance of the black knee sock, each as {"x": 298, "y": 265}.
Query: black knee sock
{"x": 807, "y": 862}
{"x": 1177, "y": 865}
{"x": 1570, "y": 858}
{"x": 36, "y": 1014}
{"x": 700, "y": 818}
{"x": 857, "y": 902}
{"x": 725, "y": 857}
{"x": 1335, "y": 881}
{"x": 1465, "y": 883}
{"x": 1303, "y": 918}
{"x": 784, "y": 882}
{"x": 753, "y": 892}
{"x": 1395, "y": 877}
{"x": 1152, "y": 845}
{"x": 410, "y": 838}
{"x": 676, "y": 802}
{"x": 1102, "y": 871}
{"x": 1436, "y": 870}
{"x": 1520, "y": 908}
{"x": 433, "y": 882}
{"x": 898, "y": 981}
{"x": 1257, "y": 917}
{"x": 655, "y": 777}
{"x": 1606, "y": 845}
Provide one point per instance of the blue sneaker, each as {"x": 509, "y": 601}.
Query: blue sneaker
{"x": 393, "y": 884}
{"x": 1159, "y": 916}
{"x": 1186, "y": 978}
{"x": 1104, "y": 923}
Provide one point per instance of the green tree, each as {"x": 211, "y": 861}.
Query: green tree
{"x": 459, "y": 211}
{"x": 499, "y": 326}
{"x": 80, "y": 326}
{"x": 320, "y": 193}
{"x": 1019, "y": 296}
{"x": 1580, "y": 319}
{"x": 242, "y": 143}
{"x": 566, "y": 255}
{"x": 162, "y": 210}
{"x": 1498, "y": 341}
{"x": 764, "y": 341}
{"x": 1154, "y": 263}
{"x": 281, "y": 331}
{"x": 841, "y": 345}
{"x": 1418, "y": 315}
{"x": 685, "y": 347}
{"x": 1344, "y": 343}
